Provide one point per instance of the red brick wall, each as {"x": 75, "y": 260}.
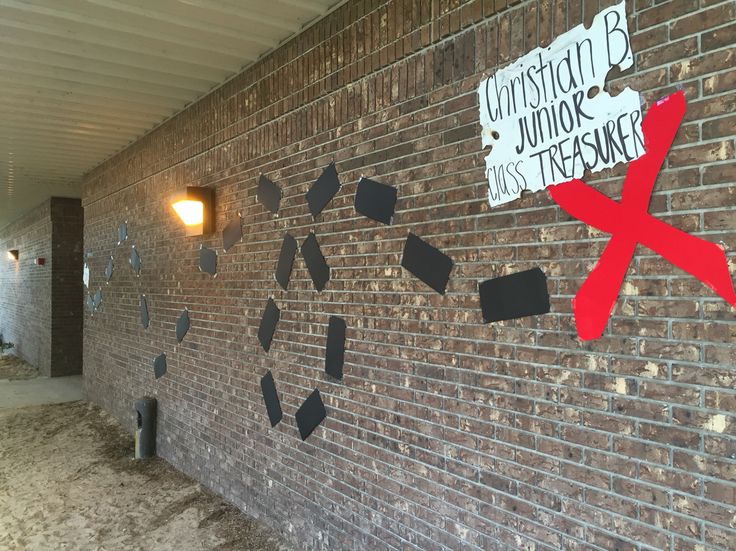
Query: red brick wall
{"x": 445, "y": 433}
{"x": 40, "y": 306}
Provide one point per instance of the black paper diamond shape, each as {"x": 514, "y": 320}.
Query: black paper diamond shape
{"x": 122, "y": 232}
{"x": 319, "y": 271}
{"x": 375, "y": 200}
{"x": 271, "y": 398}
{"x": 109, "y": 269}
{"x": 233, "y": 233}
{"x": 97, "y": 299}
{"x": 427, "y": 263}
{"x": 266, "y": 329}
{"x": 323, "y": 190}
{"x": 208, "y": 261}
{"x": 182, "y": 325}
{"x": 269, "y": 194}
{"x": 135, "y": 260}
{"x": 143, "y": 306}
{"x": 286, "y": 261}
{"x": 311, "y": 413}
{"x": 159, "y": 366}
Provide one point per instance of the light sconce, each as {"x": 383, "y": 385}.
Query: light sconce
{"x": 196, "y": 208}
{"x": 13, "y": 254}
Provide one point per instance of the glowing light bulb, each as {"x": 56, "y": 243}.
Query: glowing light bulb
{"x": 195, "y": 206}
{"x": 190, "y": 212}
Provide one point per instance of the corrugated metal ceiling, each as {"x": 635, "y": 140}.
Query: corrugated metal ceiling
{"x": 81, "y": 79}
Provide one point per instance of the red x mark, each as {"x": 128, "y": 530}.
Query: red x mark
{"x": 630, "y": 223}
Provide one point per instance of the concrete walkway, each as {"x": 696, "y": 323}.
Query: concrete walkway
{"x": 39, "y": 391}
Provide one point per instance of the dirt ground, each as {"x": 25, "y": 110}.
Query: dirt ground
{"x": 15, "y": 369}
{"x": 68, "y": 481}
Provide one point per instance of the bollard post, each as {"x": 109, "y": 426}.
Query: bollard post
{"x": 145, "y": 433}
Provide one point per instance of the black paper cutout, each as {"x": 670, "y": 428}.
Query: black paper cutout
{"x": 269, "y": 194}
{"x": 90, "y": 302}
{"x": 286, "y": 261}
{"x": 335, "y": 355}
{"x": 97, "y": 299}
{"x": 208, "y": 261}
{"x": 375, "y": 200}
{"x": 159, "y": 366}
{"x": 430, "y": 265}
{"x": 233, "y": 233}
{"x": 319, "y": 271}
{"x": 182, "y": 325}
{"x": 266, "y": 329}
{"x": 323, "y": 190}
{"x": 109, "y": 269}
{"x": 122, "y": 232}
{"x": 311, "y": 413}
{"x": 135, "y": 260}
{"x": 514, "y": 296}
{"x": 271, "y": 398}
{"x": 143, "y": 306}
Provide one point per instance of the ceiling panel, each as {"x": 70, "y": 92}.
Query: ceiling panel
{"x": 82, "y": 79}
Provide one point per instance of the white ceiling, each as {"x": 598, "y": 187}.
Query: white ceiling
{"x": 81, "y": 79}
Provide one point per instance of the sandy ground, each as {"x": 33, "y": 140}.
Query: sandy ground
{"x": 15, "y": 369}
{"x": 67, "y": 481}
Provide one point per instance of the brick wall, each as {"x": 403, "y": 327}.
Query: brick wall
{"x": 40, "y": 306}
{"x": 25, "y": 289}
{"x": 67, "y": 318}
{"x": 445, "y": 433}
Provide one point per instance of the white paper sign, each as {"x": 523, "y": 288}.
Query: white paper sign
{"x": 537, "y": 115}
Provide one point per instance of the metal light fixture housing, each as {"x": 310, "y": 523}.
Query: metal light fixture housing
{"x": 196, "y": 208}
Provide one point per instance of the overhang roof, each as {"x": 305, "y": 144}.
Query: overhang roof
{"x": 82, "y": 79}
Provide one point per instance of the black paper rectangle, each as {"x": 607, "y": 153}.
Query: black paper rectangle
{"x": 335, "y": 354}
{"x": 514, "y": 296}
{"x": 269, "y": 194}
{"x": 271, "y": 398}
{"x": 286, "y": 261}
{"x": 270, "y": 318}
{"x": 319, "y": 271}
{"x": 427, "y": 263}
{"x": 375, "y": 200}
{"x": 323, "y": 190}
{"x": 311, "y": 413}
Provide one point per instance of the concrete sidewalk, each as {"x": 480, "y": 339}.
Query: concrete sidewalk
{"x": 39, "y": 391}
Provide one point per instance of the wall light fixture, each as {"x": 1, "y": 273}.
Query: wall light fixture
{"x": 196, "y": 208}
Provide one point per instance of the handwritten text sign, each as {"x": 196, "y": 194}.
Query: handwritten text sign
{"x": 543, "y": 119}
